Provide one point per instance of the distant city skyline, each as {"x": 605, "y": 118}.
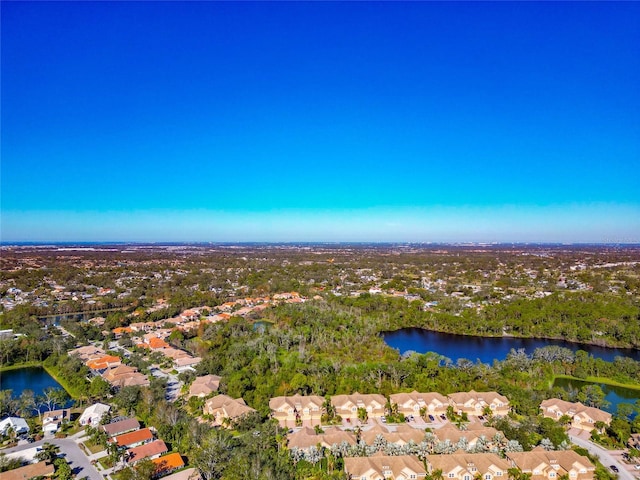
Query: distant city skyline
{"x": 314, "y": 121}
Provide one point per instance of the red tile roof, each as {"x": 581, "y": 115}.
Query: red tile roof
{"x": 156, "y": 447}
{"x": 131, "y": 438}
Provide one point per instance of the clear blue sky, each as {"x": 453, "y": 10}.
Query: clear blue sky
{"x": 320, "y": 121}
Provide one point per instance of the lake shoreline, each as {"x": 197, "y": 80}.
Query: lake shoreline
{"x": 602, "y": 380}
{"x": 509, "y": 335}
{"x": 18, "y": 366}
{"x": 51, "y": 372}
{"x": 486, "y": 349}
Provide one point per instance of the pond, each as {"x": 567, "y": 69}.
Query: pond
{"x": 613, "y": 394}
{"x": 32, "y": 378}
{"x": 486, "y": 349}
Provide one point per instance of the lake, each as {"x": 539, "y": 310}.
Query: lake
{"x": 613, "y": 394}
{"x": 486, "y": 349}
{"x": 32, "y": 378}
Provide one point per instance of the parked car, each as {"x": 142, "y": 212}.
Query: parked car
{"x": 432, "y": 418}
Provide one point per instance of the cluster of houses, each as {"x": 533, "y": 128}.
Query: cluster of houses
{"x": 110, "y": 367}
{"x": 539, "y": 464}
{"x": 297, "y": 410}
{"x": 140, "y": 443}
{"x": 581, "y": 416}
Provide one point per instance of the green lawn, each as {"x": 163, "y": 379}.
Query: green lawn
{"x": 93, "y": 447}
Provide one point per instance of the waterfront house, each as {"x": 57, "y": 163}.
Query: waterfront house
{"x": 582, "y": 417}
{"x": 297, "y": 410}
{"x": 52, "y": 420}
{"x": 379, "y": 466}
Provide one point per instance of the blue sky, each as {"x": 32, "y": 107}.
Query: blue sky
{"x": 320, "y": 121}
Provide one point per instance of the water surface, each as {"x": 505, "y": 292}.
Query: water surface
{"x": 486, "y": 349}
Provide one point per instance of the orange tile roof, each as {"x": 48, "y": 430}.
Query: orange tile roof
{"x": 122, "y": 330}
{"x": 103, "y": 362}
{"x": 142, "y": 435}
{"x": 168, "y": 462}
{"x": 156, "y": 343}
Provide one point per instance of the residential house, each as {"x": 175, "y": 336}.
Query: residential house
{"x": 100, "y": 364}
{"x": 124, "y": 376}
{"x": 551, "y": 465}
{"x": 472, "y": 435}
{"x": 347, "y": 406}
{"x": 36, "y": 470}
{"x": 168, "y": 463}
{"x": 225, "y": 409}
{"x": 120, "y": 427}
{"x": 93, "y": 415}
{"x": 400, "y": 435}
{"x": 133, "y": 439}
{"x": 203, "y": 386}
{"x": 379, "y": 466}
{"x": 469, "y": 466}
{"x": 307, "y": 437}
{"x": 52, "y": 420}
{"x": 474, "y": 403}
{"x": 412, "y": 403}
{"x": 119, "y": 331}
{"x": 634, "y": 441}
{"x": 87, "y": 353}
{"x": 187, "y": 474}
{"x": 16, "y": 424}
{"x": 296, "y": 410}
{"x": 582, "y": 417}
{"x": 149, "y": 450}
{"x": 186, "y": 363}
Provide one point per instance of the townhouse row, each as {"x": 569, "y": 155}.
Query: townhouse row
{"x": 296, "y": 410}
{"x": 400, "y": 435}
{"x": 538, "y": 463}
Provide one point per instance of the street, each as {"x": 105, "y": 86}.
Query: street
{"x": 76, "y": 458}
{"x": 606, "y": 457}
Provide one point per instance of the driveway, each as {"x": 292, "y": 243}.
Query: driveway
{"x": 607, "y": 457}
{"x": 75, "y": 457}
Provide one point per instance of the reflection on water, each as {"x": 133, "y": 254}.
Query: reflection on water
{"x": 486, "y": 349}
{"x": 613, "y": 394}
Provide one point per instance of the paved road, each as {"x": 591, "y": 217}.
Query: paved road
{"x": 75, "y": 457}
{"x": 605, "y": 457}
